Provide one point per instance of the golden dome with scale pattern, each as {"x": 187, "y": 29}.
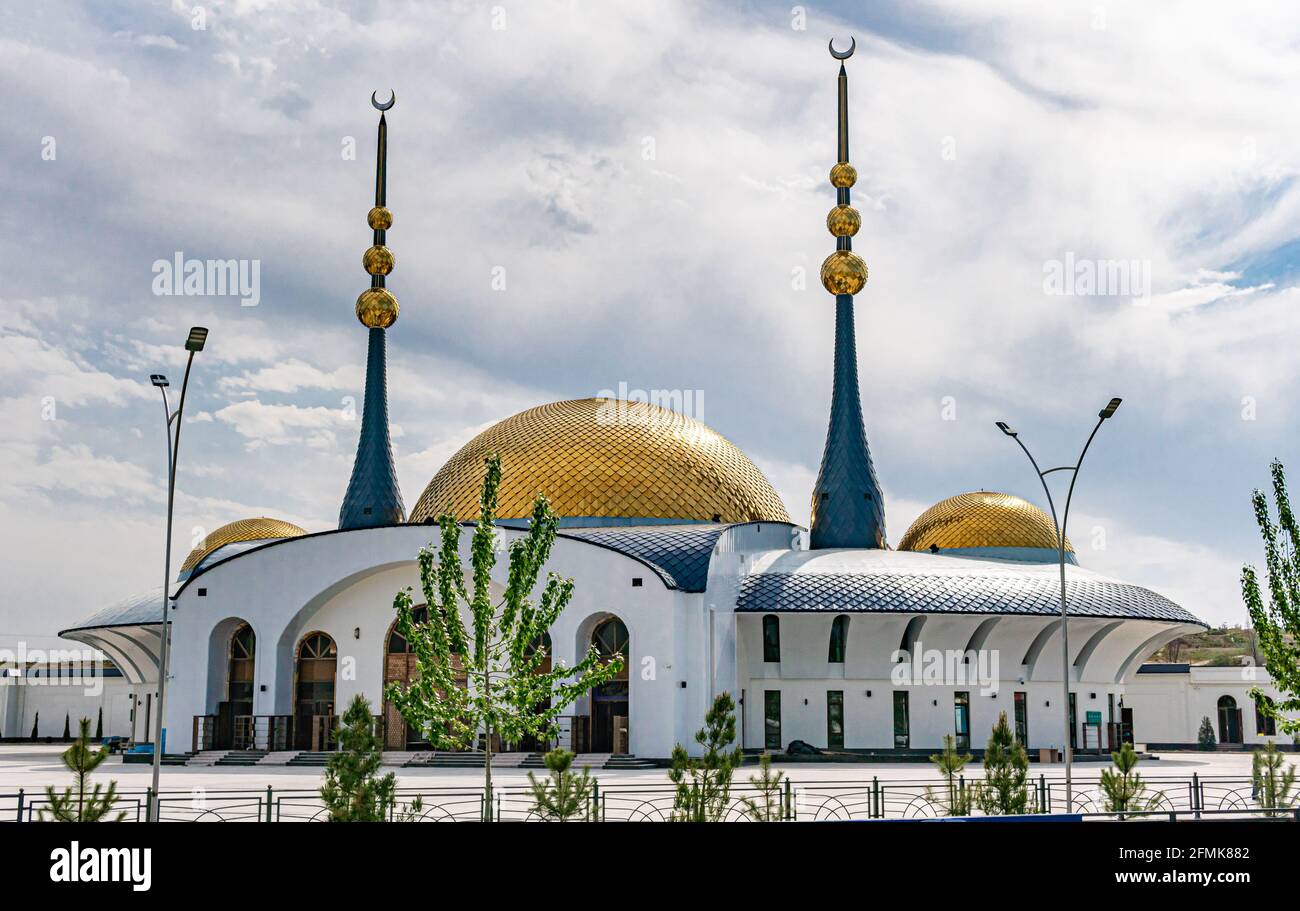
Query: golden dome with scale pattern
{"x": 241, "y": 530}
{"x": 604, "y": 459}
{"x": 982, "y": 519}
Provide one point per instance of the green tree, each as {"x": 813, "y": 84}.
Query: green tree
{"x": 1277, "y": 623}
{"x": 1005, "y": 788}
{"x": 36, "y": 726}
{"x": 1123, "y": 790}
{"x": 489, "y": 679}
{"x": 563, "y": 794}
{"x": 67, "y": 725}
{"x": 704, "y": 782}
{"x": 1206, "y": 739}
{"x": 354, "y": 791}
{"x": 1272, "y": 784}
{"x": 956, "y": 799}
{"x": 99, "y": 725}
{"x": 79, "y": 803}
{"x": 768, "y": 804}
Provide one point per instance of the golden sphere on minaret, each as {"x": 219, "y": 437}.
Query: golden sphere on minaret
{"x": 843, "y": 175}
{"x": 377, "y": 308}
{"x": 843, "y": 221}
{"x": 379, "y": 219}
{"x": 378, "y": 260}
{"x": 844, "y": 272}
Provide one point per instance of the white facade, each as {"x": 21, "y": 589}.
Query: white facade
{"x": 686, "y": 646}
{"x": 1168, "y": 707}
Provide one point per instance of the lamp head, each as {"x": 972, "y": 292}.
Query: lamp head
{"x": 1002, "y": 425}
{"x": 198, "y": 336}
{"x": 1111, "y": 407}
{"x": 158, "y": 380}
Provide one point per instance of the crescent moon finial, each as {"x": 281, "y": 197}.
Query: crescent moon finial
{"x": 393, "y": 100}
{"x": 843, "y": 55}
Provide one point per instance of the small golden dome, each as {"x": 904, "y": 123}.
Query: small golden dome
{"x": 982, "y": 519}
{"x": 377, "y": 308}
{"x": 379, "y": 219}
{"x": 241, "y": 530}
{"x": 844, "y": 272}
{"x": 843, "y": 175}
{"x": 843, "y": 221}
{"x": 378, "y": 260}
{"x": 606, "y": 458}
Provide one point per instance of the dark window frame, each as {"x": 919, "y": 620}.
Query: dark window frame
{"x": 839, "y": 643}
{"x": 961, "y": 738}
{"x": 834, "y": 698}
{"x": 771, "y": 639}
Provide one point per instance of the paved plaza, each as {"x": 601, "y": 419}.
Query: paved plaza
{"x": 35, "y": 766}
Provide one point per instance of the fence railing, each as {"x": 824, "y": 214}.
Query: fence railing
{"x": 1195, "y": 797}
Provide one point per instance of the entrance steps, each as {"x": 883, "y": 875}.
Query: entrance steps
{"x": 207, "y": 757}
{"x": 309, "y": 758}
{"x": 627, "y": 761}
{"x": 241, "y": 758}
{"x": 278, "y": 757}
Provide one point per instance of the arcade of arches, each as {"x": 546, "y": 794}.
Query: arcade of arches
{"x": 604, "y": 730}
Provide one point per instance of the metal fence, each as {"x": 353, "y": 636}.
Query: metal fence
{"x": 1193, "y": 797}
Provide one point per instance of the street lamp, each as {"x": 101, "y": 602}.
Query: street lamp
{"x": 1102, "y": 416}
{"x": 193, "y": 344}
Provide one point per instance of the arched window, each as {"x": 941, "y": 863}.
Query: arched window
{"x": 397, "y": 644}
{"x": 1229, "y": 720}
{"x": 1265, "y": 724}
{"x": 771, "y": 637}
{"x": 839, "y": 639}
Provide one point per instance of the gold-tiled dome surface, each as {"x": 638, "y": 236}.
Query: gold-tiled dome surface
{"x": 241, "y": 530}
{"x": 606, "y": 458}
{"x": 981, "y": 519}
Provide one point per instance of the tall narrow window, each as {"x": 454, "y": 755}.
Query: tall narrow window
{"x": 772, "y": 719}
{"x": 1074, "y": 725}
{"x": 835, "y": 719}
{"x": 961, "y": 718}
{"x": 839, "y": 639}
{"x": 1265, "y": 725}
{"x": 771, "y": 638}
{"x": 1022, "y": 718}
{"x": 902, "y": 723}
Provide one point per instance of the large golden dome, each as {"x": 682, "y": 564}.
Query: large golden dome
{"x": 242, "y": 530}
{"x": 982, "y": 519}
{"x": 605, "y": 458}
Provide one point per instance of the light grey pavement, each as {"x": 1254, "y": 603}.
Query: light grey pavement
{"x": 35, "y": 766}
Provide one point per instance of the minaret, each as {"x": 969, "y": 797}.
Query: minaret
{"x": 847, "y": 508}
{"x": 373, "y": 497}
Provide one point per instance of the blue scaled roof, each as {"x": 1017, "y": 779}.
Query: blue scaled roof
{"x": 224, "y": 552}
{"x": 143, "y": 608}
{"x": 678, "y": 553}
{"x": 965, "y": 594}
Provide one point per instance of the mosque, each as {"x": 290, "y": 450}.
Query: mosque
{"x": 685, "y": 561}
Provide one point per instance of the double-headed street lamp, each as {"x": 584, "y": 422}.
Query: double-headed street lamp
{"x": 194, "y": 344}
{"x": 1102, "y": 416}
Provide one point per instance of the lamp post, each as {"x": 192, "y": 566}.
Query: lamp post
{"x": 194, "y": 344}
{"x": 1102, "y": 416}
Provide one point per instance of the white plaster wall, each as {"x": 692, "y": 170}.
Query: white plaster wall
{"x": 67, "y": 700}
{"x": 804, "y": 676}
{"x": 341, "y": 583}
{"x": 1168, "y": 708}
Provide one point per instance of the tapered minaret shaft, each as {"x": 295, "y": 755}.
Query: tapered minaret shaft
{"x": 847, "y": 507}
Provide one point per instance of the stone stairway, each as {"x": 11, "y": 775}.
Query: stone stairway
{"x": 309, "y": 758}
{"x": 627, "y": 761}
{"x": 278, "y": 757}
{"x": 241, "y": 758}
{"x": 207, "y": 757}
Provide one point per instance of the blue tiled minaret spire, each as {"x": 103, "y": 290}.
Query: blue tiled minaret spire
{"x": 847, "y": 508}
{"x": 373, "y": 497}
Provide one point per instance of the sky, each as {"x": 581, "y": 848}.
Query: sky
{"x": 593, "y": 195}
